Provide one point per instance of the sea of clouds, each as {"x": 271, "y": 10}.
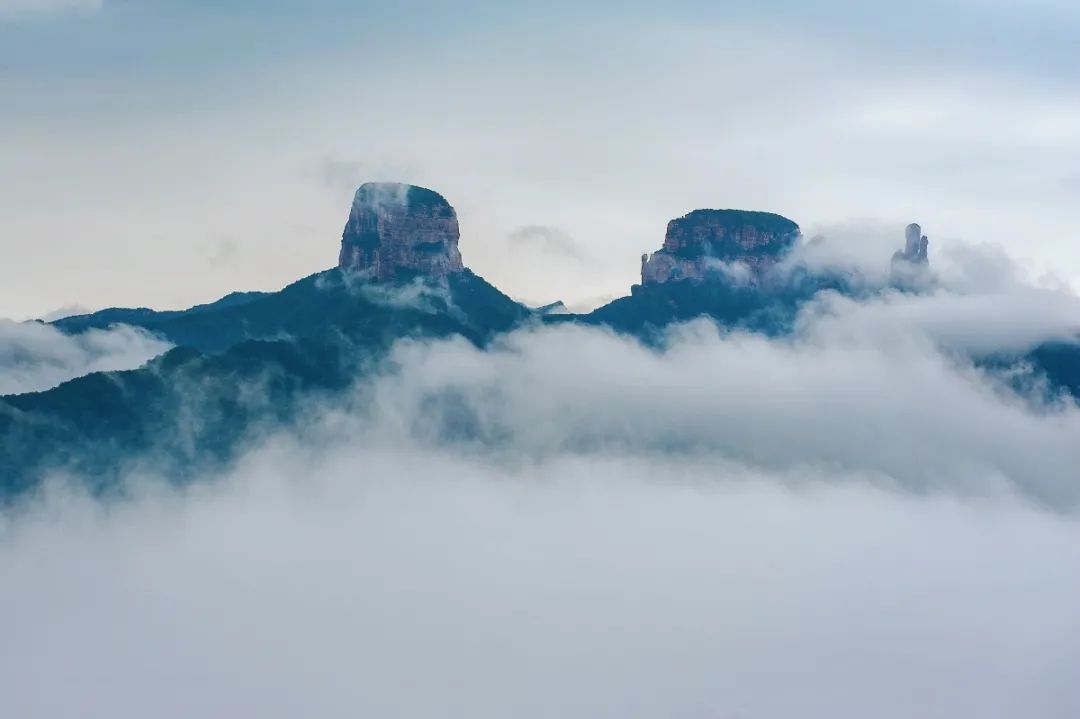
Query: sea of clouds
{"x": 853, "y": 521}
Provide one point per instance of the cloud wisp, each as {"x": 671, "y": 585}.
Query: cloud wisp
{"x": 36, "y": 357}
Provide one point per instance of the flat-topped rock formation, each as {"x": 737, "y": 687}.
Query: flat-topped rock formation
{"x": 706, "y": 242}
{"x": 396, "y": 230}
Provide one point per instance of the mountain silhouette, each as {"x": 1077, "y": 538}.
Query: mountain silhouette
{"x": 253, "y": 361}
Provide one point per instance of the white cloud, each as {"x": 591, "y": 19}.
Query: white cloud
{"x": 368, "y": 578}
{"x": 35, "y": 356}
{"x": 845, "y": 523}
{"x": 777, "y": 404}
{"x": 978, "y": 324}
{"x": 975, "y": 299}
{"x": 28, "y": 8}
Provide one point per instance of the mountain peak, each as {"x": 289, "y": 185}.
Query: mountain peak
{"x": 396, "y": 229}
{"x": 555, "y": 308}
{"x": 706, "y": 240}
{"x": 915, "y": 246}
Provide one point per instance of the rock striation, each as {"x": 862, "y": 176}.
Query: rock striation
{"x": 710, "y": 242}
{"x": 396, "y": 230}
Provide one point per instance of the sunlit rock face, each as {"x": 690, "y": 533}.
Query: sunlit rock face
{"x": 396, "y": 230}
{"x": 708, "y": 242}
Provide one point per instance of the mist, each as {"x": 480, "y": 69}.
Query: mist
{"x": 376, "y": 580}
{"x": 875, "y": 515}
{"x": 36, "y": 357}
{"x": 846, "y": 522}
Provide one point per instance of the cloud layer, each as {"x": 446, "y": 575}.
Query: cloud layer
{"x": 368, "y": 579}
{"x": 852, "y": 521}
{"x": 35, "y": 356}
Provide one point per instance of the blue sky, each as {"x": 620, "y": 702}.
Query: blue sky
{"x": 161, "y": 153}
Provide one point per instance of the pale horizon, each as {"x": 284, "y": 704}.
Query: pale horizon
{"x": 171, "y": 141}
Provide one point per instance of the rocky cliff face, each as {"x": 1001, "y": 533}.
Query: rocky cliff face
{"x": 396, "y": 230}
{"x": 915, "y": 247}
{"x": 708, "y": 242}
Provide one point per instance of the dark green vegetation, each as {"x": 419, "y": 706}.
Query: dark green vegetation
{"x": 255, "y": 361}
{"x": 1059, "y": 362}
{"x": 151, "y": 319}
{"x": 322, "y": 306}
{"x": 429, "y": 201}
{"x": 238, "y": 368}
{"x": 768, "y": 307}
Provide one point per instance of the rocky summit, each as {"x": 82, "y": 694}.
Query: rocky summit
{"x": 191, "y": 409}
{"x": 915, "y": 246}
{"x": 705, "y": 242}
{"x": 396, "y": 230}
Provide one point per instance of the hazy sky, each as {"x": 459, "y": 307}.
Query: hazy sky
{"x": 162, "y": 153}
